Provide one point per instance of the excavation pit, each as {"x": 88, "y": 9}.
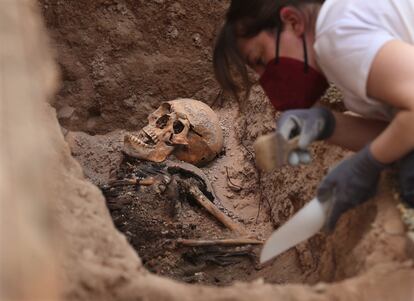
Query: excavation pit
{"x": 157, "y": 215}
{"x": 118, "y": 63}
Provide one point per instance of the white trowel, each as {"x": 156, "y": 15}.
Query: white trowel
{"x": 272, "y": 151}
{"x": 304, "y": 224}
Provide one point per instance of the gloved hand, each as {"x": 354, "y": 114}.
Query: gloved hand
{"x": 350, "y": 183}
{"x": 310, "y": 125}
{"x": 406, "y": 178}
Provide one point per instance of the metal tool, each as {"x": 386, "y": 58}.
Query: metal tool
{"x": 304, "y": 224}
{"x": 272, "y": 150}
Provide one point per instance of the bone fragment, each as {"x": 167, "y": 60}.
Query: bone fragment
{"x": 219, "y": 242}
{"x": 144, "y": 182}
{"x": 147, "y": 181}
{"x": 213, "y": 210}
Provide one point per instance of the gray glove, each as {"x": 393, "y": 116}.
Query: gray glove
{"x": 350, "y": 183}
{"x": 406, "y": 178}
{"x": 310, "y": 125}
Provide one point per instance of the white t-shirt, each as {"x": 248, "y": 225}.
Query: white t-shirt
{"x": 349, "y": 34}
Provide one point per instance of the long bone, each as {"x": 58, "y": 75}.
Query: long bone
{"x": 203, "y": 201}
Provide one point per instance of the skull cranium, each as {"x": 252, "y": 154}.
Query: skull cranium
{"x": 186, "y": 127}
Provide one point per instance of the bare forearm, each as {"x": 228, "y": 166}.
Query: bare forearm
{"x": 353, "y": 133}
{"x": 391, "y": 81}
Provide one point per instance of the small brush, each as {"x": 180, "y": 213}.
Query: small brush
{"x": 272, "y": 150}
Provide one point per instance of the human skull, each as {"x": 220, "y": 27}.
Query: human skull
{"x": 186, "y": 127}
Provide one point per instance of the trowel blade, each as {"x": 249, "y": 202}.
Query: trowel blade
{"x": 305, "y": 223}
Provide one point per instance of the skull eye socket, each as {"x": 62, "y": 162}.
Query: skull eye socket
{"x": 162, "y": 121}
{"x": 178, "y": 127}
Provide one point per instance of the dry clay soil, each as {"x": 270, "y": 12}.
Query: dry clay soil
{"x": 118, "y": 61}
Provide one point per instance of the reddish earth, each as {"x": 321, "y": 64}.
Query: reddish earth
{"x": 119, "y": 60}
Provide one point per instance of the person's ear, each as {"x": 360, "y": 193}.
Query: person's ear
{"x": 294, "y": 19}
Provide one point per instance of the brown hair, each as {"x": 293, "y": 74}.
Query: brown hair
{"x": 245, "y": 18}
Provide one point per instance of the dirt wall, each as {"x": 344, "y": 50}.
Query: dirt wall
{"x": 120, "y": 58}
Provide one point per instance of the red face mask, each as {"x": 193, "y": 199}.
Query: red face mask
{"x": 292, "y": 84}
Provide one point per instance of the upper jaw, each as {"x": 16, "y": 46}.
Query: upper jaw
{"x": 136, "y": 147}
{"x": 148, "y": 137}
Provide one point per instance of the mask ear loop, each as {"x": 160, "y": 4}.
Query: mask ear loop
{"x": 305, "y": 49}
{"x": 305, "y": 53}
{"x": 278, "y": 32}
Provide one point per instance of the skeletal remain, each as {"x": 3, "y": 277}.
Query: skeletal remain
{"x": 191, "y": 179}
{"x": 133, "y": 181}
{"x": 221, "y": 256}
{"x": 202, "y": 200}
{"x": 219, "y": 242}
{"x": 186, "y": 127}
{"x": 161, "y": 173}
{"x": 206, "y": 187}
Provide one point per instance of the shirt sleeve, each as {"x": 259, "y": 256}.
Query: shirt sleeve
{"x": 346, "y": 52}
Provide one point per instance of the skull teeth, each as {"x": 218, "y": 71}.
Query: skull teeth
{"x": 153, "y": 137}
{"x": 136, "y": 142}
{"x": 149, "y": 137}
